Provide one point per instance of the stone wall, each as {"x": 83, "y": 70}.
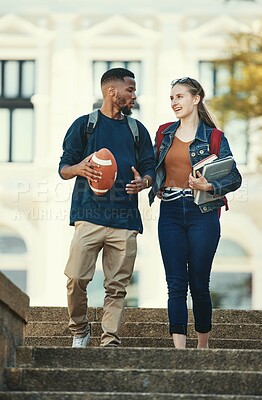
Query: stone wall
{"x": 14, "y": 308}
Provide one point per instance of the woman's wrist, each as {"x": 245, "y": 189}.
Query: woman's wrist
{"x": 209, "y": 187}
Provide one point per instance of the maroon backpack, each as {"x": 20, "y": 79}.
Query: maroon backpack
{"x": 215, "y": 141}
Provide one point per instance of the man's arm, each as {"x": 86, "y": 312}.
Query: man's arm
{"x": 85, "y": 168}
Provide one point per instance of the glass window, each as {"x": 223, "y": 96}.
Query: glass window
{"x": 19, "y": 278}
{"x": 1, "y": 83}
{"x": 117, "y": 64}
{"x": 27, "y": 84}
{"x": 214, "y": 78}
{"x": 11, "y": 79}
{"x": 207, "y": 79}
{"x": 239, "y": 67}
{"x": 13, "y": 249}
{"x": 11, "y": 242}
{"x": 4, "y": 134}
{"x": 135, "y": 67}
{"x": 96, "y": 292}
{"x": 22, "y": 135}
{"x": 99, "y": 67}
{"x": 16, "y": 110}
{"x": 132, "y": 298}
{"x": 230, "y": 248}
{"x": 231, "y": 290}
{"x": 222, "y": 80}
{"x": 236, "y": 131}
{"x": 12, "y": 245}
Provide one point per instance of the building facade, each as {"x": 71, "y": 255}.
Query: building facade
{"x": 52, "y": 55}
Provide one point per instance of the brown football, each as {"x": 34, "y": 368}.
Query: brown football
{"x": 108, "y": 167}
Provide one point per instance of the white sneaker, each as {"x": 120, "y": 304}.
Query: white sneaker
{"x": 81, "y": 341}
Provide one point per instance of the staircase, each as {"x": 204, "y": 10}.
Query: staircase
{"x": 146, "y": 366}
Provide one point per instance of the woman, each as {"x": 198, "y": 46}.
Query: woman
{"x": 188, "y": 233}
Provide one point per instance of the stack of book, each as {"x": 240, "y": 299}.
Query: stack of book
{"x": 212, "y": 168}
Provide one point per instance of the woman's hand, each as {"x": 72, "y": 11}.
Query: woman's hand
{"x": 199, "y": 183}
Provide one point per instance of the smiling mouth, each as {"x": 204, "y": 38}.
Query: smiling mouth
{"x": 177, "y": 109}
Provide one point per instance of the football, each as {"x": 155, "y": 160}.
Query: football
{"x": 108, "y": 167}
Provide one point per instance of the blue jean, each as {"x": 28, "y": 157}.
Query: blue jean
{"x": 188, "y": 242}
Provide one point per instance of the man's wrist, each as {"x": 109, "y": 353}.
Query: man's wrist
{"x": 146, "y": 183}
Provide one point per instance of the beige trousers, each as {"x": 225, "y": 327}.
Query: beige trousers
{"x": 118, "y": 258}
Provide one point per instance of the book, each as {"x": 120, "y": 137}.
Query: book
{"x": 213, "y": 171}
{"x": 199, "y": 166}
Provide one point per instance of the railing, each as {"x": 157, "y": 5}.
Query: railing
{"x": 14, "y": 309}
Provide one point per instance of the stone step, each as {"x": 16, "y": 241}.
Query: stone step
{"x": 139, "y": 358}
{"x": 118, "y": 396}
{"x": 145, "y": 366}
{"x": 134, "y": 380}
{"x": 60, "y": 314}
{"x": 66, "y": 341}
{"x": 148, "y": 329}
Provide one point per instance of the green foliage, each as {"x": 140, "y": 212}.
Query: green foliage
{"x": 244, "y": 63}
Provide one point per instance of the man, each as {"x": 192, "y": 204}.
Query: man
{"x": 109, "y": 222}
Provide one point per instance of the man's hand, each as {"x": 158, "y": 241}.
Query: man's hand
{"x": 137, "y": 184}
{"x": 160, "y": 194}
{"x": 85, "y": 168}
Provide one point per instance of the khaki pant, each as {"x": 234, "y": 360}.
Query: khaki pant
{"x": 119, "y": 253}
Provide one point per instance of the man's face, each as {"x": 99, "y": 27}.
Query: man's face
{"x": 125, "y": 95}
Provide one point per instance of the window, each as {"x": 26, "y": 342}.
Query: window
{"x": 230, "y": 290}
{"x": 230, "y": 248}
{"x": 13, "y": 252}
{"x": 214, "y": 78}
{"x": 227, "y": 1}
{"x": 96, "y": 291}
{"x": 19, "y": 278}
{"x": 16, "y": 110}
{"x": 99, "y": 67}
{"x": 12, "y": 244}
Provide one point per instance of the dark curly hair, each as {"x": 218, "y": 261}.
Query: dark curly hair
{"x": 116, "y": 74}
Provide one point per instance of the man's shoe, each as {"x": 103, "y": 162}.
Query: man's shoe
{"x": 79, "y": 341}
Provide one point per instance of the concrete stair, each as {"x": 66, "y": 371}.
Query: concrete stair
{"x": 147, "y": 327}
{"x": 146, "y": 366}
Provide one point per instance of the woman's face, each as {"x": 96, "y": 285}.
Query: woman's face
{"x": 183, "y": 102}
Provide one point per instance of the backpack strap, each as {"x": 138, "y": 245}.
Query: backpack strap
{"x": 160, "y": 135}
{"x": 92, "y": 119}
{"x": 215, "y": 141}
{"x": 132, "y": 123}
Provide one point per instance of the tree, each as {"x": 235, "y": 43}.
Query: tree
{"x": 243, "y": 97}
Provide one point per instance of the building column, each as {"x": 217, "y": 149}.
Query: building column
{"x": 63, "y": 89}
{"x": 171, "y": 65}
